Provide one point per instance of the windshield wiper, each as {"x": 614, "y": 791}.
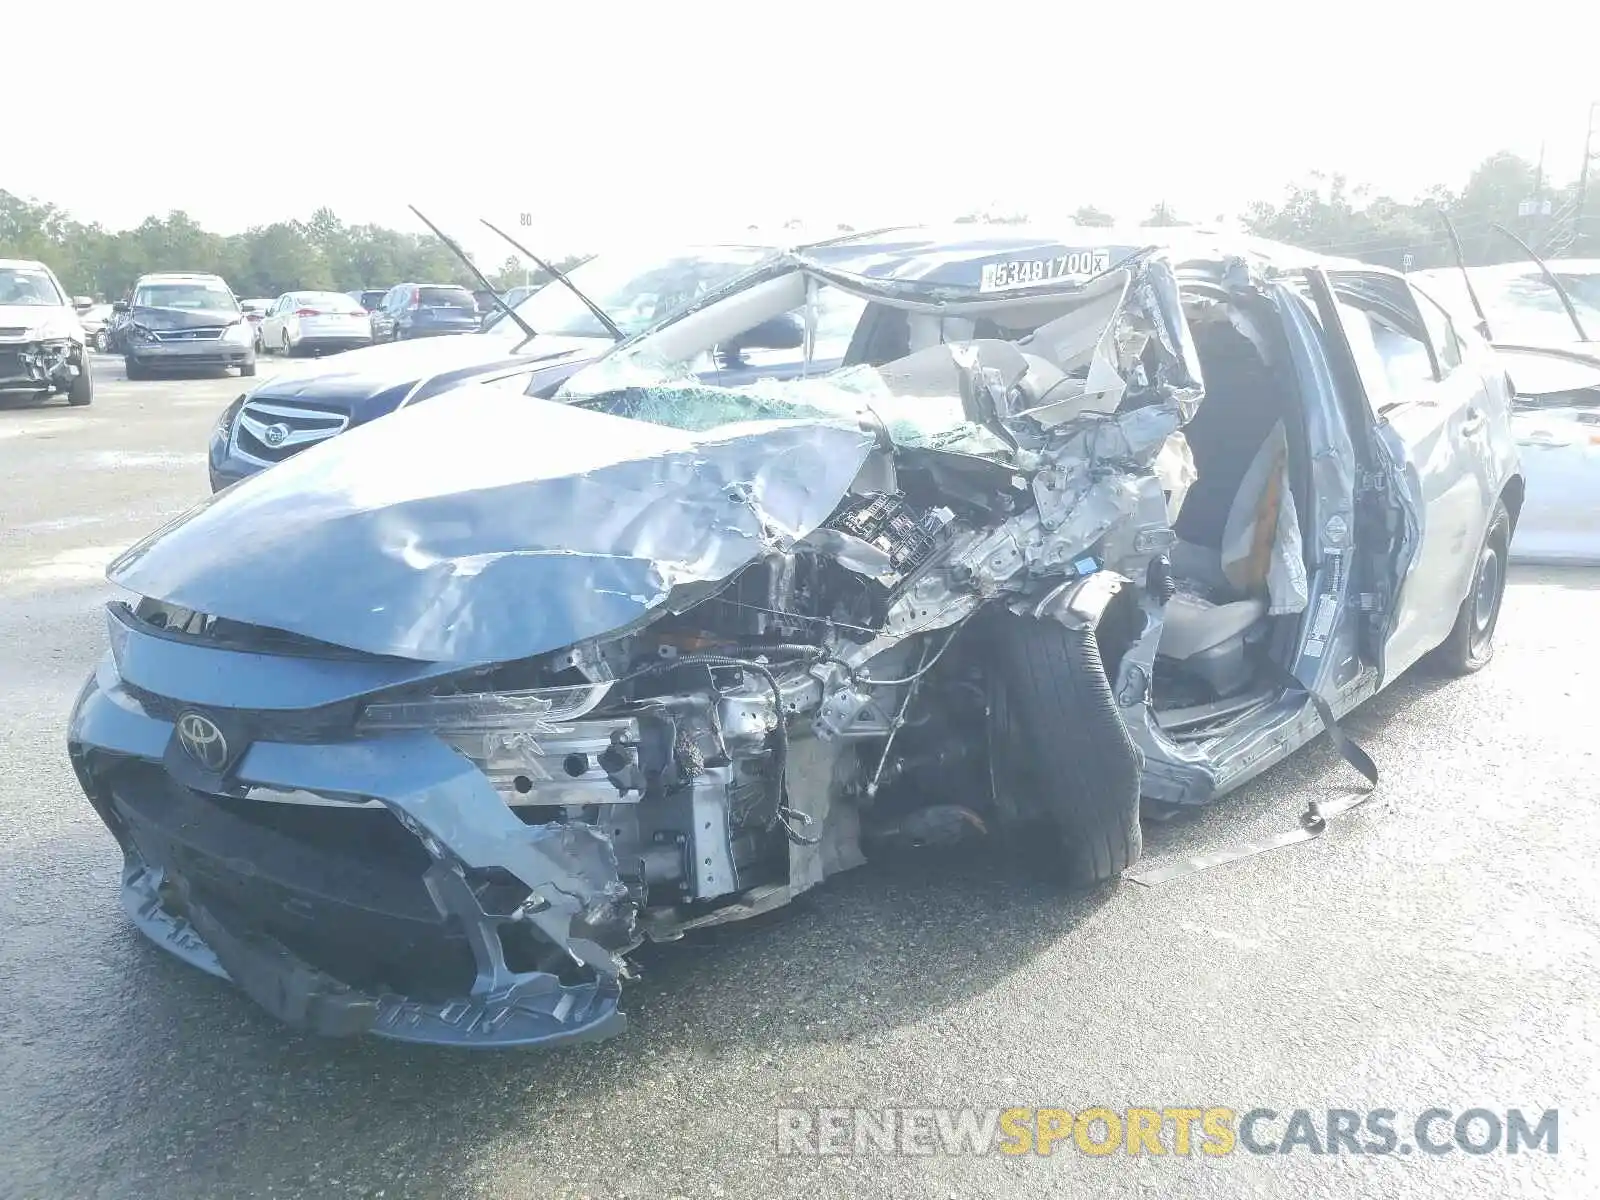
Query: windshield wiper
{"x": 488, "y": 287}
{"x": 1550, "y": 278}
{"x": 1466, "y": 276}
{"x": 560, "y": 277}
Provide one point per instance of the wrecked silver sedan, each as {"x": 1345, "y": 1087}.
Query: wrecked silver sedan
{"x": 423, "y": 731}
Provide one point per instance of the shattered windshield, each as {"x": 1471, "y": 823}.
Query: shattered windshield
{"x": 634, "y": 289}
{"x": 858, "y": 394}
{"x": 1042, "y": 357}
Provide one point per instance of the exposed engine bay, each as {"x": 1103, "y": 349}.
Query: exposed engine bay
{"x": 832, "y": 697}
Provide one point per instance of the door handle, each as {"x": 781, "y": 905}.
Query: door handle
{"x": 1473, "y": 422}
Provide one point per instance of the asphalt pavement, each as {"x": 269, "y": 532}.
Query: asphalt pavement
{"x": 1438, "y": 947}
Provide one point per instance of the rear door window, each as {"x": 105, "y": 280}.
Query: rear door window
{"x": 446, "y": 297}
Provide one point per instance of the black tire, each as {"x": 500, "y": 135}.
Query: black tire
{"x": 287, "y": 347}
{"x": 1470, "y": 646}
{"x": 82, "y": 391}
{"x": 246, "y": 370}
{"x": 1074, "y": 771}
{"x": 132, "y": 369}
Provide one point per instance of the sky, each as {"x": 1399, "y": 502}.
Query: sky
{"x": 597, "y": 123}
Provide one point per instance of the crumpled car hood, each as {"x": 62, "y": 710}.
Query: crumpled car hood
{"x": 184, "y": 318}
{"x": 485, "y": 526}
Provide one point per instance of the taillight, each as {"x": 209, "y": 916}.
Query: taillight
{"x": 416, "y": 297}
{"x": 306, "y": 312}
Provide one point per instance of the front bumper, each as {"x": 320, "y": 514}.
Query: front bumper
{"x": 195, "y": 355}
{"x": 368, "y": 912}
{"x": 39, "y": 366}
{"x": 225, "y": 469}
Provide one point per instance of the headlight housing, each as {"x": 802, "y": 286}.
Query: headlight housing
{"x": 482, "y": 712}
{"x": 225, "y": 421}
{"x": 523, "y": 743}
{"x": 240, "y": 331}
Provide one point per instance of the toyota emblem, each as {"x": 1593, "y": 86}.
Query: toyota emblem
{"x": 203, "y": 741}
{"x": 275, "y": 435}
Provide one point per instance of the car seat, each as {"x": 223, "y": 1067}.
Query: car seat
{"x": 1225, "y": 595}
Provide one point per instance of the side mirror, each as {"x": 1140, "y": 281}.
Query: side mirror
{"x": 82, "y": 303}
{"x": 119, "y": 306}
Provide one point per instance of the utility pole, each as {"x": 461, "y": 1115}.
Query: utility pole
{"x": 1536, "y": 205}
{"x": 1579, "y": 233}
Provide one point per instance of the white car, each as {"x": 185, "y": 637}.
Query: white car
{"x": 1552, "y": 355}
{"x": 1556, "y": 420}
{"x": 301, "y": 322}
{"x": 43, "y": 350}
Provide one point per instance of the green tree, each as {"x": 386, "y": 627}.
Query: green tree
{"x": 1162, "y": 215}
{"x": 1323, "y": 212}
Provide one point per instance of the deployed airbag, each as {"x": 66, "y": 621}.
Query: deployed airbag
{"x": 1261, "y": 546}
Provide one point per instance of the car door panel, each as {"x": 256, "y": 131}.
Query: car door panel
{"x": 1432, "y": 441}
{"x": 1425, "y": 474}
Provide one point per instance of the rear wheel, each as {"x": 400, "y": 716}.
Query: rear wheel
{"x": 1470, "y": 645}
{"x": 82, "y": 391}
{"x": 1066, "y": 772}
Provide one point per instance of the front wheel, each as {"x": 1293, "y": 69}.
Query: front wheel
{"x": 246, "y": 370}
{"x": 82, "y": 390}
{"x": 1470, "y": 645}
{"x": 132, "y": 369}
{"x": 1060, "y": 753}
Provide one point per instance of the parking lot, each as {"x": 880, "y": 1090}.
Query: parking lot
{"x": 1437, "y": 947}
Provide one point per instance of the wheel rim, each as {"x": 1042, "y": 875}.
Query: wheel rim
{"x": 1487, "y": 589}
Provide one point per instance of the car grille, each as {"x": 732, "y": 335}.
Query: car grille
{"x": 207, "y": 334}
{"x": 267, "y": 432}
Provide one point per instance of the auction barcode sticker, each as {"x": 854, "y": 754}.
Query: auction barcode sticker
{"x": 1021, "y": 272}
